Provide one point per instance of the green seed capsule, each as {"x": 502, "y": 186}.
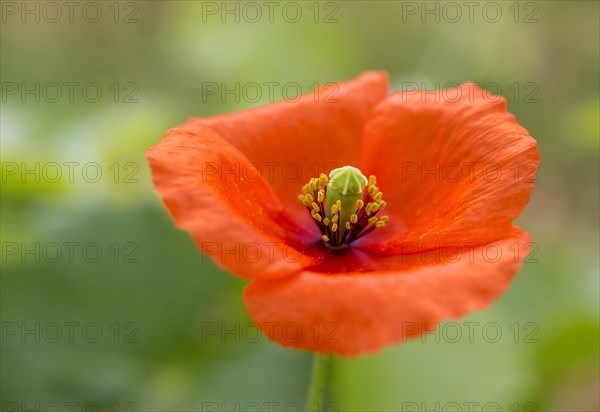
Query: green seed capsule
{"x": 346, "y": 185}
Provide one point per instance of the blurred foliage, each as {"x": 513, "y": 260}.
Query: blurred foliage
{"x": 170, "y": 290}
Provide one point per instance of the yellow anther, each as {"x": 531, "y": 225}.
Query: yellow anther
{"x": 321, "y": 196}
{"x": 340, "y": 206}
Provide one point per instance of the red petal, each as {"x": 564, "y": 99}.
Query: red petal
{"x": 482, "y": 166}
{"x": 356, "y": 313}
{"x": 293, "y": 142}
{"x": 241, "y": 224}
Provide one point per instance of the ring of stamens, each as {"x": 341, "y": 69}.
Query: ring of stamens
{"x": 363, "y": 220}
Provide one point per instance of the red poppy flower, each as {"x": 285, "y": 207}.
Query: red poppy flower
{"x": 455, "y": 169}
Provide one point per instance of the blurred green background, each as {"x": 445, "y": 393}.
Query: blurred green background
{"x": 151, "y": 294}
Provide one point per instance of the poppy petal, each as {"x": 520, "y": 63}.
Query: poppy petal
{"x": 453, "y": 167}
{"x": 356, "y": 313}
{"x": 293, "y": 141}
{"x": 239, "y": 222}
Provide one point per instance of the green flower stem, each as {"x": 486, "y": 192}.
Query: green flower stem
{"x": 318, "y": 382}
